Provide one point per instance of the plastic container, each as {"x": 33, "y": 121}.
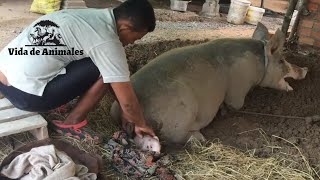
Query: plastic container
{"x": 179, "y": 5}
{"x": 210, "y": 8}
{"x": 254, "y": 15}
{"x": 237, "y": 11}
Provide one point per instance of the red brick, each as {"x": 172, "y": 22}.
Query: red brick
{"x": 313, "y": 7}
{"x": 306, "y": 40}
{"x": 307, "y": 23}
{"x": 305, "y": 31}
{"x": 315, "y": 1}
{"x": 315, "y": 34}
{"x": 316, "y": 26}
{"x": 317, "y": 44}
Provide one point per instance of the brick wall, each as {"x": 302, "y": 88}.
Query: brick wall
{"x": 309, "y": 26}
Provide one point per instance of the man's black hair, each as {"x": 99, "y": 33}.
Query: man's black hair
{"x": 139, "y": 12}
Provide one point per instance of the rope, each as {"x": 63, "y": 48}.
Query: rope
{"x": 273, "y": 115}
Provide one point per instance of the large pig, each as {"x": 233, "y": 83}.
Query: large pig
{"x": 182, "y": 89}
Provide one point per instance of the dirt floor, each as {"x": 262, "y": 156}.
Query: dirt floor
{"x": 296, "y": 124}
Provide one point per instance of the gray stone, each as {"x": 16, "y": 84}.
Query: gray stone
{"x": 73, "y": 4}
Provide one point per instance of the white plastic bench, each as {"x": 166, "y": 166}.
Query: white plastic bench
{"x": 13, "y": 121}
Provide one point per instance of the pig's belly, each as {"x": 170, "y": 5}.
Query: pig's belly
{"x": 173, "y": 110}
{"x": 208, "y": 106}
{"x": 186, "y": 104}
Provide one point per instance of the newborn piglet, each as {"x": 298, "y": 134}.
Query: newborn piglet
{"x": 148, "y": 143}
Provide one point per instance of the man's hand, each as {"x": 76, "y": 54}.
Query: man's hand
{"x": 131, "y": 110}
{"x": 140, "y": 131}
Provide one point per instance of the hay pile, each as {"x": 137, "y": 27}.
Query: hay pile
{"x": 216, "y": 161}
{"x": 8, "y": 143}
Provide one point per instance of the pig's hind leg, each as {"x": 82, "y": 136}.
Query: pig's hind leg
{"x": 235, "y": 100}
{"x": 197, "y": 135}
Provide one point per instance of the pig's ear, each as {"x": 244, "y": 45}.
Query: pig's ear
{"x": 261, "y": 32}
{"x": 275, "y": 44}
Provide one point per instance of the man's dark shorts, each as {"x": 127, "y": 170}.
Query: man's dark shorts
{"x": 80, "y": 76}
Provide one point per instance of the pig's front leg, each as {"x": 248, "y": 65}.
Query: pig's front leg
{"x": 236, "y": 102}
{"x": 236, "y": 94}
{"x": 224, "y": 109}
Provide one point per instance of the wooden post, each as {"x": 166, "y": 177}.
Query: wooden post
{"x": 296, "y": 23}
{"x": 288, "y": 16}
{"x": 262, "y": 2}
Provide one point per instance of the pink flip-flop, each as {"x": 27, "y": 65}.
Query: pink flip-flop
{"x": 60, "y": 124}
{"x": 79, "y": 131}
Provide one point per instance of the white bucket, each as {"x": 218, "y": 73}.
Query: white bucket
{"x": 254, "y": 15}
{"x": 179, "y": 5}
{"x": 237, "y": 11}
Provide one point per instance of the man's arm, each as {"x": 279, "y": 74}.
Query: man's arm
{"x": 131, "y": 109}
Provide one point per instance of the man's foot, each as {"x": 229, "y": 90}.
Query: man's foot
{"x": 78, "y": 131}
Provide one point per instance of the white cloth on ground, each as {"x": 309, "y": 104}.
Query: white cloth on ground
{"x": 46, "y": 163}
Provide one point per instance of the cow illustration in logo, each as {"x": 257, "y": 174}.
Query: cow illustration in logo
{"x": 45, "y": 34}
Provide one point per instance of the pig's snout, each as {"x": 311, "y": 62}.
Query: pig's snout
{"x": 304, "y": 72}
{"x": 291, "y": 71}
{"x": 296, "y": 72}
